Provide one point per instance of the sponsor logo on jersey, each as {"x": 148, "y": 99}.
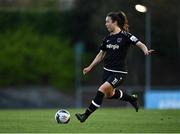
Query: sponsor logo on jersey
{"x": 110, "y": 46}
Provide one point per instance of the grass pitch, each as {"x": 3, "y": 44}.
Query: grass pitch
{"x": 114, "y": 120}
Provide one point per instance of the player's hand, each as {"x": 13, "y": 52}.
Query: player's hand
{"x": 148, "y": 52}
{"x": 86, "y": 70}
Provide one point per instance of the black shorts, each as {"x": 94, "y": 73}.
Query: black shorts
{"x": 115, "y": 79}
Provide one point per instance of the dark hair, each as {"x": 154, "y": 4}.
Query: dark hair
{"x": 121, "y": 19}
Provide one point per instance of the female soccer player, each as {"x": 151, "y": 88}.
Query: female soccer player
{"x": 113, "y": 52}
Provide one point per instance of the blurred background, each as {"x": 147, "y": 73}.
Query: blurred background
{"x": 45, "y": 44}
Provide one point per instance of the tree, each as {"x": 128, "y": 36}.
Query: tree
{"x": 27, "y": 57}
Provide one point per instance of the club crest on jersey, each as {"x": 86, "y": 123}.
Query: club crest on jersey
{"x": 119, "y": 40}
{"x": 110, "y": 46}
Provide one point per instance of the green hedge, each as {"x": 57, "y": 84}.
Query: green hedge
{"x": 28, "y": 57}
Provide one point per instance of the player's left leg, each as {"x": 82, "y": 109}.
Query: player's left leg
{"x": 132, "y": 99}
{"x": 96, "y": 102}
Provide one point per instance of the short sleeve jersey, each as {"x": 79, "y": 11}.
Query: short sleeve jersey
{"x": 116, "y": 47}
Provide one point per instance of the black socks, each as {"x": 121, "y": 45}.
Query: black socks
{"x": 119, "y": 94}
{"x": 96, "y": 103}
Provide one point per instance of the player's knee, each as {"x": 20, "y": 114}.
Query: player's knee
{"x": 108, "y": 92}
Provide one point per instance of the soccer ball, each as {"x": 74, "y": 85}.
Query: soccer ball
{"x": 62, "y": 116}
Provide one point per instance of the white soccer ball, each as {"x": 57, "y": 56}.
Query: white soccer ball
{"x": 62, "y": 116}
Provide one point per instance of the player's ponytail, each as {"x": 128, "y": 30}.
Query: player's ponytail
{"x": 121, "y": 19}
{"x": 123, "y": 22}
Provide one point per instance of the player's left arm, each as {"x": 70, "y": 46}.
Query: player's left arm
{"x": 144, "y": 48}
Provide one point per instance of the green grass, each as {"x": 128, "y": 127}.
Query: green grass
{"x": 102, "y": 121}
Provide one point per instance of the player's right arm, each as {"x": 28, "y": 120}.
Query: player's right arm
{"x": 99, "y": 57}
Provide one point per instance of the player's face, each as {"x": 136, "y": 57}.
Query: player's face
{"x": 109, "y": 24}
